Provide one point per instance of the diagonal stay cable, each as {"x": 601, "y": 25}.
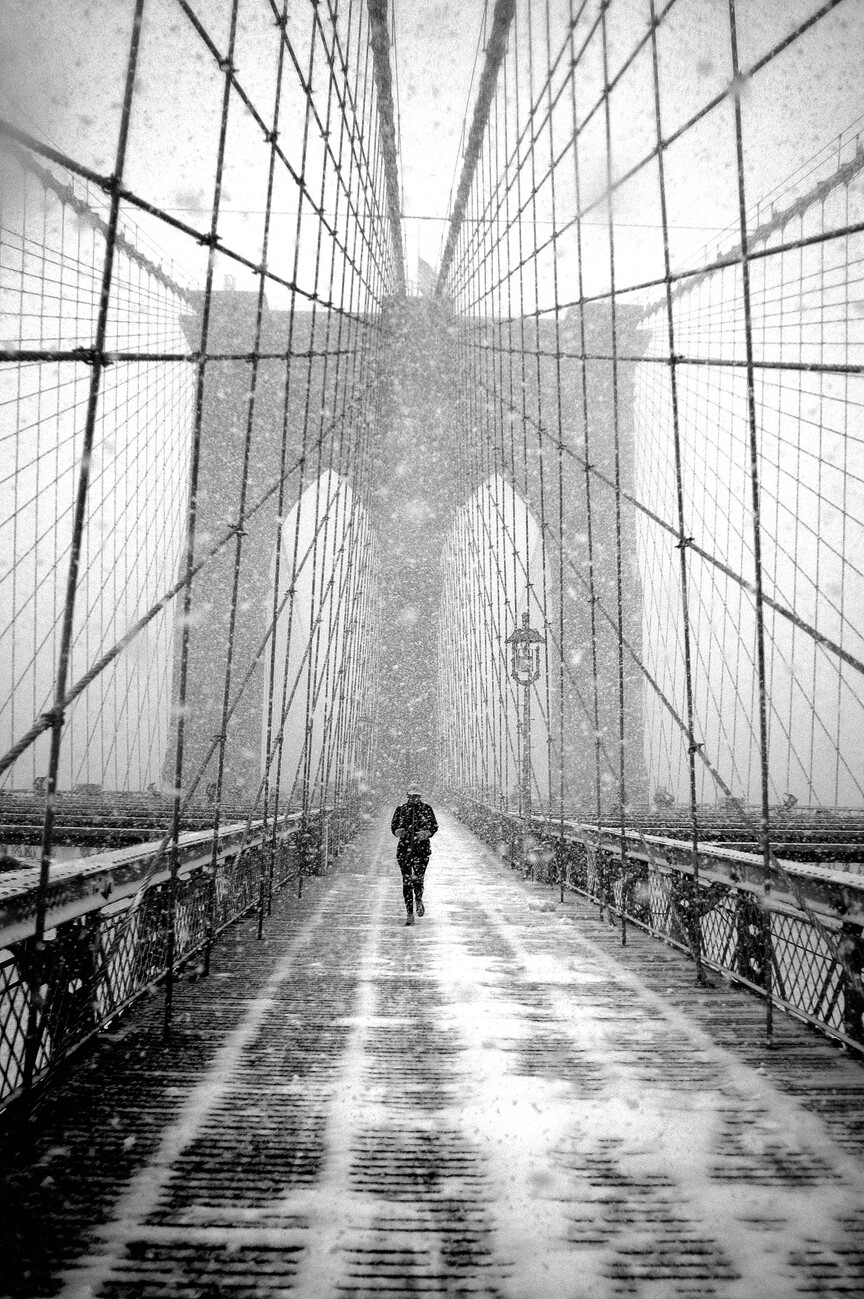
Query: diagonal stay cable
{"x": 703, "y": 111}
{"x": 824, "y": 641}
{"x": 307, "y": 653}
{"x": 111, "y": 186}
{"x": 752, "y": 822}
{"x": 45, "y": 720}
{"x": 165, "y": 842}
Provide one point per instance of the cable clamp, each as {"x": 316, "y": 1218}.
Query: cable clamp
{"x": 694, "y": 747}
{"x": 270, "y": 137}
{"x": 87, "y": 354}
{"x": 237, "y": 530}
{"x": 225, "y": 65}
{"x": 53, "y": 716}
{"x": 683, "y": 543}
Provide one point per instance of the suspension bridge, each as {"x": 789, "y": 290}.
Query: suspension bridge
{"x": 549, "y": 501}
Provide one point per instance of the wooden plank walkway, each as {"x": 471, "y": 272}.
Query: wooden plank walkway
{"x": 499, "y": 1101}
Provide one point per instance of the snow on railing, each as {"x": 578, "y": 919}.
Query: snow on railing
{"x": 744, "y": 921}
{"x": 107, "y": 936}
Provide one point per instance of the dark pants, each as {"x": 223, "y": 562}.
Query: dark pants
{"x": 413, "y": 870}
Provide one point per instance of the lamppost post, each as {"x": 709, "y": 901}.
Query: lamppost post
{"x": 525, "y": 645}
{"x": 526, "y": 752}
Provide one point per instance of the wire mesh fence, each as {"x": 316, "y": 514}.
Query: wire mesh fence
{"x": 114, "y": 941}
{"x": 660, "y": 363}
{"x": 677, "y": 423}
{"x": 196, "y": 242}
{"x": 51, "y": 257}
{"x": 800, "y": 954}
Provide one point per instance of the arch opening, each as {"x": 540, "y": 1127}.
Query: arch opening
{"x": 493, "y": 571}
{"x": 319, "y": 692}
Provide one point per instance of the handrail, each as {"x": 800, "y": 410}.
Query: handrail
{"x": 106, "y": 939}
{"x": 833, "y": 893}
{"x": 78, "y": 887}
{"x": 744, "y": 919}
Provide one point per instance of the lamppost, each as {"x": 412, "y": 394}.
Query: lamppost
{"x": 525, "y": 645}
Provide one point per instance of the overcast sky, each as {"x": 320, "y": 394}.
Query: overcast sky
{"x": 62, "y": 70}
{"x": 437, "y": 50}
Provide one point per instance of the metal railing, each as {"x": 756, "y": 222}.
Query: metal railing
{"x": 108, "y": 926}
{"x": 794, "y": 936}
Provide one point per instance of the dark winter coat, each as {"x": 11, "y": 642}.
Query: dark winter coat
{"x": 414, "y": 817}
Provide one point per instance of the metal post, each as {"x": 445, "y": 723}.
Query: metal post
{"x": 525, "y": 670}
{"x": 304, "y": 818}
{"x": 526, "y": 773}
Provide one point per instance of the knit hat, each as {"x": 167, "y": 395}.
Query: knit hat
{"x": 414, "y": 789}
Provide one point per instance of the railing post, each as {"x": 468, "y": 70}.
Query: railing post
{"x": 769, "y": 978}
{"x": 624, "y": 886}
{"x": 325, "y": 840}
{"x": 850, "y": 949}
{"x": 212, "y": 899}
{"x": 265, "y": 874}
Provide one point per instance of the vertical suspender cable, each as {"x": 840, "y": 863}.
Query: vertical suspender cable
{"x": 78, "y": 525}
{"x": 695, "y": 925}
{"x": 191, "y": 525}
{"x": 267, "y": 857}
{"x": 241, "y": 510}
{"x": 619, "y": 560}
{"x": 765, "y": 827}
{"x": 560, "y": 501}
{"x": 589, "y": 512}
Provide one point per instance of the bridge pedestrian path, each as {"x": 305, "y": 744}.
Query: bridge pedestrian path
{"x": 499, "y": 1101}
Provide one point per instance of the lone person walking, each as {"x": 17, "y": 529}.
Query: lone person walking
{"x": 413, "y": 824}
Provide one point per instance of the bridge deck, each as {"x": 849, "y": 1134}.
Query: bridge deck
{"x": 499, "y": 1101}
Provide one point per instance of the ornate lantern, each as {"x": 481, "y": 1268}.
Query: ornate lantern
{"x": 525, "y": 645}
